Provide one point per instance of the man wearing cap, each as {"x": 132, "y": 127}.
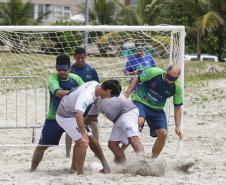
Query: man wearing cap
{"x": 59, "y": 84}
{"x": 156, "y": 86}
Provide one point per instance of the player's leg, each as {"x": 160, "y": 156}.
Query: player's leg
{"x": 80, "y": 155}
{"x": 79, "y": 151}
{"x": 118, "y": 152}
{"x": 68, "y": 143}
{"x": 141, "y": 118}
{"x": 158, "y": 128}
{"x": 94, "y": 126}
{"x": 136, "y": 144}
{"x": 141, "y": 121}
{"x": 73, "y": 163}
{"x": 159, "y": 143}
{"x": 129, "y": 123}
{"x": 95, "y": 129}
{"x": 117, "y": 136}
{"x": 37, "y": 156}
{"x": 50, "y": 135}
{"x": 124, "y": 147}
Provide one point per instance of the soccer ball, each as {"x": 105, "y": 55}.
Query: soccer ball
{"x": 94, "y": 166}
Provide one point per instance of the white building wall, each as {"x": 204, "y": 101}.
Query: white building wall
{"x": 58, "y": 7}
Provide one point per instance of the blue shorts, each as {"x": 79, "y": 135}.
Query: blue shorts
{"x": 51, "y": 133}
{"x": 156, "y": 119}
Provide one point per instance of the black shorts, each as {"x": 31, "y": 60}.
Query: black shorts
{"x": 51, "y": 133}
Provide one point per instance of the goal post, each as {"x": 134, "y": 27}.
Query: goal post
{"x": 31, "y": 50}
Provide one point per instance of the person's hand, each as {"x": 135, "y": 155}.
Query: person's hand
{"x": 138, "y": 72}
{"x": 179, "y": 133}
{"x": 85, "y": 140}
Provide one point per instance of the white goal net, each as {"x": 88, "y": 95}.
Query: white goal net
{"x": 28, "y": 54}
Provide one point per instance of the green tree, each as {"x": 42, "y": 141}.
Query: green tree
{"x": 219, "y": 6}
{"x": 103, "y": 13}
{"x": 145, "y": 12}
{"x": 205, "y": 19}
{"x": 18, "y": 13}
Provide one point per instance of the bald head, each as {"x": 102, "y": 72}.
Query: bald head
{"x": 172, "y": 73}
{"x": 173, "y": 70}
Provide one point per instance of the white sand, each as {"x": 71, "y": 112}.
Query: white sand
{"x": 202, "y": 161}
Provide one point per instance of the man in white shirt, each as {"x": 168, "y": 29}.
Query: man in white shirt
{"x": 124, "y": 114}
{"x": 70, "y": 117}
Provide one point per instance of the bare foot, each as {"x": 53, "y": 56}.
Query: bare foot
{"x": 105, "y": 171}
{"x": 72, "y": 170}
{"x": 80, "y": 173}
{"x": 32, "y": 170}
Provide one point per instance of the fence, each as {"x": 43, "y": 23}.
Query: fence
{"x": 23, "y": 103}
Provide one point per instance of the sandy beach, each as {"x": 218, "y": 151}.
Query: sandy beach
{"x": 204, "y": 148}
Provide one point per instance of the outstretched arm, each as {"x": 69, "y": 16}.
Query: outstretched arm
{"x": 131, "y": 87}
{"x": 177, "y": 117}
{"x": 97, "y": 150}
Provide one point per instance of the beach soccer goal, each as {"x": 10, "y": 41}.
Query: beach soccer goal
{"x": 28, "y": 54}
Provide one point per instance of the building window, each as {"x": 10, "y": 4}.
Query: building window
{"x": 67, "y": 12}
{"x": 56, "y": 12}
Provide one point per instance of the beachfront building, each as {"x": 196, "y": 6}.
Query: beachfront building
{"x": 58, "y": 9}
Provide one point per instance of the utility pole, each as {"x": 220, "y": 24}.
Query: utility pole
{"x": 85, "y": 42}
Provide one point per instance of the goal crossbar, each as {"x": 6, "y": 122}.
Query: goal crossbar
{"x": 93, "y": 28}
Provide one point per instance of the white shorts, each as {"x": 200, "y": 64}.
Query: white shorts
{"x": 126, "y": 126}
{"x": 71, "y": 128}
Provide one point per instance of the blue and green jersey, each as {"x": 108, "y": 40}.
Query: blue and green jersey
{"x": 54, "y": 84}
{"x": 154, "y": 90}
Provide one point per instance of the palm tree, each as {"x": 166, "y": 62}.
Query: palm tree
{"x": 145, "y": 12}
{"x": 18, "y": 13}
{"x": 205, "y": 19}
{"x": 219, "y": 6}
{"x": 103, "y": 12}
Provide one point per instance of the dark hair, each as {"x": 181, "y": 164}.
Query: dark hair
{"x": 112, "y": 85}
{"x": 80, "y": 50}
{"x": 63, "y": 59}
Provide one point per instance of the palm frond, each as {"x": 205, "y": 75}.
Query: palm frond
{"x": 209, "y": 22}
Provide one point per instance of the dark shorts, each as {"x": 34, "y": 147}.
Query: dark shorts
{"x": 156, "y": 119}
{"x": 51, "y": 133}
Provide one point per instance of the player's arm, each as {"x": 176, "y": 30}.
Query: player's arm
{"x": 80, "y": 122}
{"x": 93, "y": 113}
{"x": 77, "y": 78}
{"x": 81, "y": 105}
{"x": 131, "y": 87}
{"x": 60, "y": 93}
{"x": 178, "y": 102}
{"x": 54, "y": 87}
{"x": 177, "y": 117}
{"x": 131, "y": 73}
